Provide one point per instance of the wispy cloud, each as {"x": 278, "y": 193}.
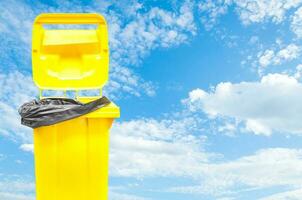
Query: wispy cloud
{"x": 296, "y": 23}
{"x": 121, "y": 196}
{"x": 16, "y": 89}
{"x": 210, "y": 11}
{"x": 146, "y": 31}
{"x": 291, "y": 194}
{"x": 262, "y": 170}
{"x": 16, "y": 187}
{"x": 272, "y": 57}
{"x": 259, "y": 11}
{"x": 151, "y": 147}
{"x": 249, "y": 11}
{"x": 27, "y": 147}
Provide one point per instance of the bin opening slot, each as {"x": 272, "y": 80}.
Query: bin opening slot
{"x": 69, "y": 37}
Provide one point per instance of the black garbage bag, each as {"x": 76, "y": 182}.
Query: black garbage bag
{"x": 50, "y": 111}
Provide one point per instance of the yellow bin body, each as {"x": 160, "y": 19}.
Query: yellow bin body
{"x": 71, "y": 157}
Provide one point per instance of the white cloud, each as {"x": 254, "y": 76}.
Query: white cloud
{"x": 121, "y": 196}
{"x": 288, "y": 195}
{"x": 197, "y": 94}
{"x": 265, "y": 59}
{"x": 249, "y": 11}
{"x": 131, "y": 42}
{"x": 255, "y": 11}
{"x": 149, "y": 148}
{"x": 16, "y": 188}
{"x": 296, "y": 23}
{"x": 262, "y": 170}
{"x": 298, "y": 72}
{"x": 288, "y": 53}
{"x": 27, "y": 147}
{"x": 227, "y": 128}
{"x": 12, "y": 196}
{"x": 16, "y": 89}
{"x": 271, "y": 105}
{"x": 270, "y": 57}
{"x": 212, "y": 10}
{"x": 155, "y": 148}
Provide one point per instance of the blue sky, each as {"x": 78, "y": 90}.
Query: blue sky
{"x": 210, "y": 94}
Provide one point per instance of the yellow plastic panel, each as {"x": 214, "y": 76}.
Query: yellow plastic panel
{"x": 71, "y": 159}
{"x": 66, "y": 59}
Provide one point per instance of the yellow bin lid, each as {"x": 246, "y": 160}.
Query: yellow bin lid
{"x": 70, "y": 59}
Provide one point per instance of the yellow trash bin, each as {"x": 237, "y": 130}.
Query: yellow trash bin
{"x": 71, "y": 157}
